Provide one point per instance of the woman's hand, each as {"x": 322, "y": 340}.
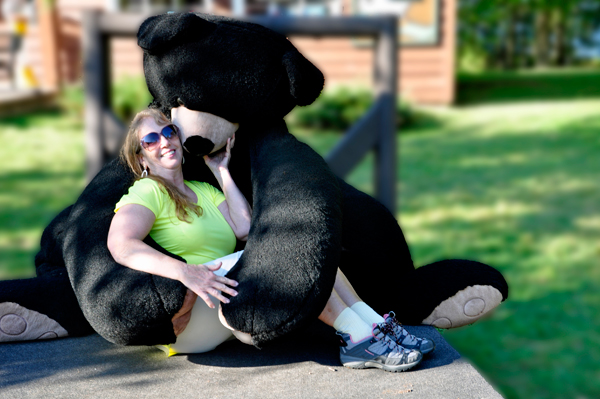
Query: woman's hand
{"x": 220, "y": 159}
{"x": 202, "y": 280}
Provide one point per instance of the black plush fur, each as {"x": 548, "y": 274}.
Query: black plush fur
{"x": 306, "y": 222}
{"x": 241, "y": 71}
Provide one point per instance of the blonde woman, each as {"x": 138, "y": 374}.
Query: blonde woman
{"x": 190, "y": 219}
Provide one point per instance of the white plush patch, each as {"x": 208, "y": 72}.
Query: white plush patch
{"x": 466, "y": 307}
{"x": 21, "y": 324}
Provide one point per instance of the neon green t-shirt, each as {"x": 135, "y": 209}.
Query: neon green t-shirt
{"x": 206, "y": 238}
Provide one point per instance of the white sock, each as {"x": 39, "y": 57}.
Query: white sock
{"x": 351, "y": 323}
{"x": 366, "y": 313}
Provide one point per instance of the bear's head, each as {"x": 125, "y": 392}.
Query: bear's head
{"x": 226, "y": 71}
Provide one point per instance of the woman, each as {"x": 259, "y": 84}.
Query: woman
{"x": 159, "y": 157}
{"x": 190, "y": 219}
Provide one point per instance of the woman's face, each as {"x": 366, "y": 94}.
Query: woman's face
{"x": 164, "y": 155}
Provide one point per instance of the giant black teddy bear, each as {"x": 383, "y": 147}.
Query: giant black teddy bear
{"x": 306, "y": 222}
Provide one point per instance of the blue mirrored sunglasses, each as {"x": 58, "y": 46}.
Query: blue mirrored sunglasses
{"x": 151, "y": 140}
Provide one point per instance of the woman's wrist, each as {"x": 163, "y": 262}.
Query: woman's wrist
{"x": 180, "y": 271}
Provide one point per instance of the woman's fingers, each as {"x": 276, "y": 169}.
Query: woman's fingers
{"x": 206, "y": 298}
{"x": 207, "y": 293}
{"x": 204, "y": 282}
{"x": 228, "y": 281}
{"x": 226, "y": 289}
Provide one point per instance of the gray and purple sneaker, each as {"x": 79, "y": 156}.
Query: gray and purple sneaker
{"x": 396, "y": 332}
{"x": 378, "y": 351}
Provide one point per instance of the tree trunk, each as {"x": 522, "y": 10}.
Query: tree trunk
{"x": 542, "y": 38}
{"x": 510, "y": 40}
{"x": 559, "y": 52}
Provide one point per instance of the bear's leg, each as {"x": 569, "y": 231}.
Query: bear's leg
{"x": 40, "y": 308}
{"x": 45, "y": 306}
{"x": 376, "y": 260}
{"x": 460, "y": 293}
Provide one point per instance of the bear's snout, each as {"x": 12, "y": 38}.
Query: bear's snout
{"x": 199, "y": 146}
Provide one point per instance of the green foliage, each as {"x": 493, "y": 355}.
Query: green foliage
{"x": 130, "y": 95}
{"x": 72, "y": 100}
{"x": 341, "y": 108}
{"x": 472, "y": 59}
{"x": 511, "y": 34}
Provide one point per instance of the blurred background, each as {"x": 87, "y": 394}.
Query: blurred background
{"x": 498, "y": 141}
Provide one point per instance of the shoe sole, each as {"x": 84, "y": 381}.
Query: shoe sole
{"x": 367, "y": 364}
{"x": 466, "y": 307}
{"x": 424, "y": 352}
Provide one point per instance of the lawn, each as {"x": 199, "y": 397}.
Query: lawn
{"x": 41, "y": 172}
{"x": 517, "y": 187}
{"x": 514, "y": 186}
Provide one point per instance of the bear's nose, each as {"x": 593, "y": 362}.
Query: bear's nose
{"x": 199, "y": 146}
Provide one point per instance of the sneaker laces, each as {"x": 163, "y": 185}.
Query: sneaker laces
{"x": 380, "y": 334}
{"x": 393, "y": 327}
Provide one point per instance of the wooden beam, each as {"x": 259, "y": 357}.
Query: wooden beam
{"x": 116, "y": 24}
{"x": 356, "y": 143}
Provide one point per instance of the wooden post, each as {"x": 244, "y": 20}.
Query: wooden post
{"x": 50, "y": 41}
{"x": 96, "y": 82}
{"x": 385, "y": 69}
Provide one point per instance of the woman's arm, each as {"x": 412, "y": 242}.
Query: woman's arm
{"x": 235, "y": 208}
{"x": 130, "y": 225}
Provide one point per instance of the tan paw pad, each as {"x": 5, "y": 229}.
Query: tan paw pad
{"x": 466, "y": 307}
{"x": 21, "y": 324}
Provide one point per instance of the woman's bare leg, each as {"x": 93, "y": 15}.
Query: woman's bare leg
{"x": 344, "y": 289}
{"x": 334, "y": 307}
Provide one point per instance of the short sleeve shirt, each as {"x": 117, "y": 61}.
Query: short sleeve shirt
{"x": 206, "y": 238}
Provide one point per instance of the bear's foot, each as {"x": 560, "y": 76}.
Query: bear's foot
{"x": 21, "y": 324}
{"x": 465, "y": 307}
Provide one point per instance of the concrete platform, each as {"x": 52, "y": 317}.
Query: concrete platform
{"x": 91, "y": 367}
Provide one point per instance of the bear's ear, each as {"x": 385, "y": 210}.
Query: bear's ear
{"x": 306, "y": 80}
{"x": 160, "y": 31}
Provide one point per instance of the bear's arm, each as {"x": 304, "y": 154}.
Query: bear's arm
{"x": 287, "y": 271}
{"x": 125, "y": 306}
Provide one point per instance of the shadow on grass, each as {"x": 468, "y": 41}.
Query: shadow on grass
{"x": 30, "y": 120}
{"x": 530, "y": 86}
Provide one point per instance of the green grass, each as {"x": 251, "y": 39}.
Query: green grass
{"x": 41, "y": 172}
{"x": 515, "y": 186}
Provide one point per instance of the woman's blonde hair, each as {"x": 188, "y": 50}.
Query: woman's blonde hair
{"x": 130, "y": 154}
